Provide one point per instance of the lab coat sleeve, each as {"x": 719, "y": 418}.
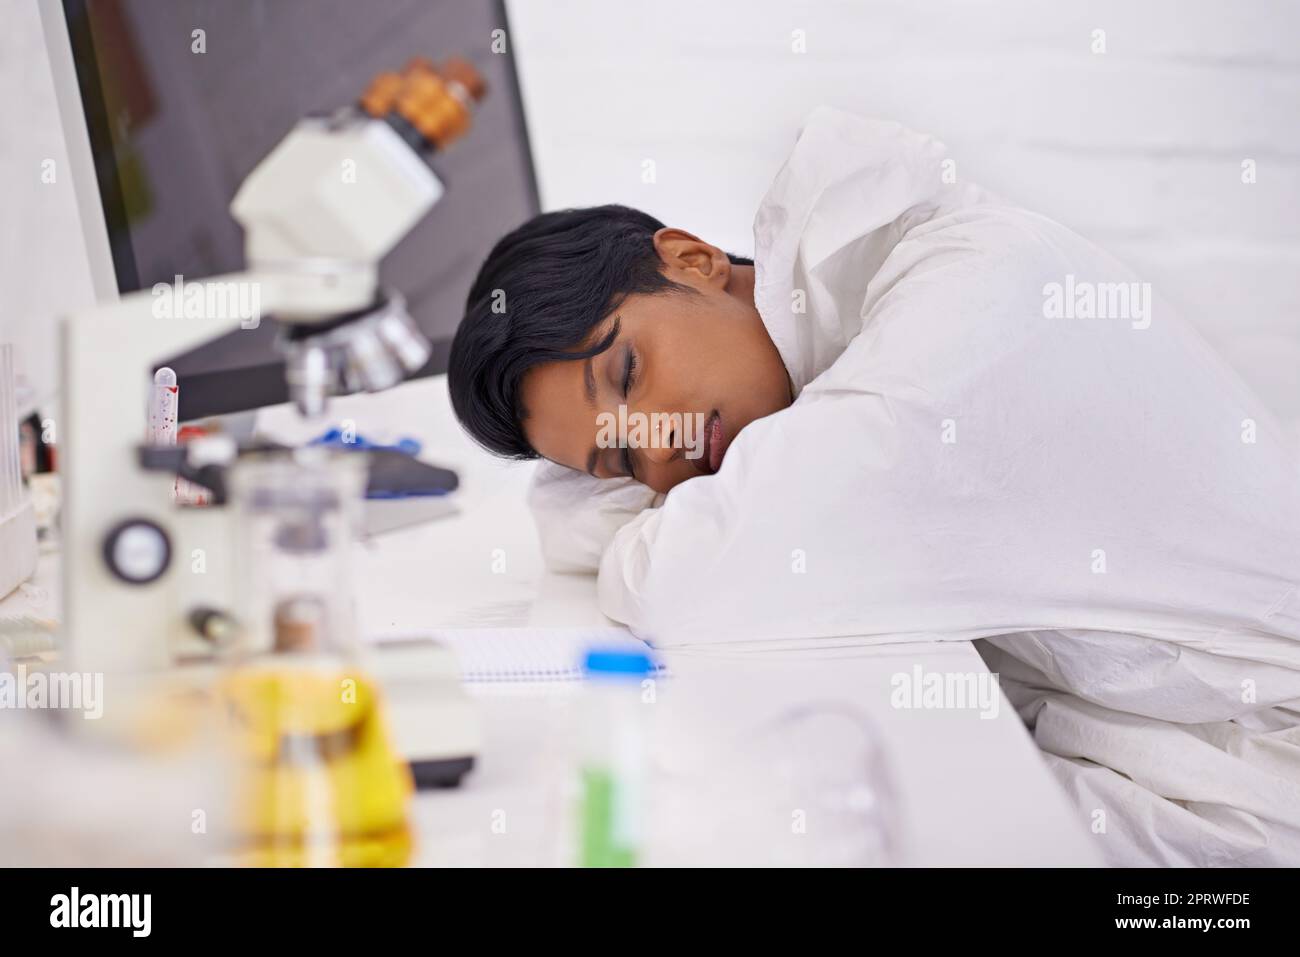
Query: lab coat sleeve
{"x": 624, "y": 570}
{"x": 577, "y": 515}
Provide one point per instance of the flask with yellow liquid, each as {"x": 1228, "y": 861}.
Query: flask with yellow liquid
{"x": 317, "y": 781}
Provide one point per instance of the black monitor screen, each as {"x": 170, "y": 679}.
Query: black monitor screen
{"x": 184, "y": 97}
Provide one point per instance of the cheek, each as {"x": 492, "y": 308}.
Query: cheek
{"x": 693, "y": 350}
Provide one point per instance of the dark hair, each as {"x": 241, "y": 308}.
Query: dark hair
{"x": 539, "y": 297}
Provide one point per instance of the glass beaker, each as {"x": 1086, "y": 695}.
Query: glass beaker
{"x": 319, "y": 783}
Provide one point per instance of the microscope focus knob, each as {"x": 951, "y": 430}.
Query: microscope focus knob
{"x": 137, "y": 551}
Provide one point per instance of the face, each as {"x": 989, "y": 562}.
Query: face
{"x": 685, "y": 374}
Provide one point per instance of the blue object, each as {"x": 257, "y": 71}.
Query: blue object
{"x": 409, "y": 493}
{"x": 395, "y": 471}
{"x": 334, "y": 439}
{"x": 617, "y": 663}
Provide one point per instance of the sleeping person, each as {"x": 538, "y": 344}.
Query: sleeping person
{"x": 919, "y": 413}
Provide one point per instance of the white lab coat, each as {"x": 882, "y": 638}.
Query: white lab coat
{"x": 956, "y": 464}
{"x": 1102, "y": 497}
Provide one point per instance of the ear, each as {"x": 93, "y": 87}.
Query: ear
{"x": 691, "y": 261}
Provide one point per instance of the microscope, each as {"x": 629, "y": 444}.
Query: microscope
{"x": 319, "y": 212}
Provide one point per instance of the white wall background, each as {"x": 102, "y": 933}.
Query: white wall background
{"x": 1139, "y": 148}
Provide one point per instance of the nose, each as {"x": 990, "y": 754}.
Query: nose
{"x": 663, "y": 440}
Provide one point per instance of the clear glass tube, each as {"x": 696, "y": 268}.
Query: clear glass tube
{"x": 297, "y": 516}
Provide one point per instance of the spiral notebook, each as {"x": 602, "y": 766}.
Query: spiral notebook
{"x": 531, "y": 654}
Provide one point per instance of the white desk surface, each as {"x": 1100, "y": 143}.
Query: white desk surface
{"x": 971, "y": 791}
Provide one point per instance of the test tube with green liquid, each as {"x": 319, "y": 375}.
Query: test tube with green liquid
{"x": 614, "y": 759}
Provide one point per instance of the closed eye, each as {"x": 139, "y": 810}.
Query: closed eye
{"x": 629, "y": 379}
{"x": 629, "y": 373}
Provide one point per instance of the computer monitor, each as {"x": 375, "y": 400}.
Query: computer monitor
{"x": 168, "y": 104}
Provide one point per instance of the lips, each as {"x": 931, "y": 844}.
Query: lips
{"x": 715, "y": 444}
